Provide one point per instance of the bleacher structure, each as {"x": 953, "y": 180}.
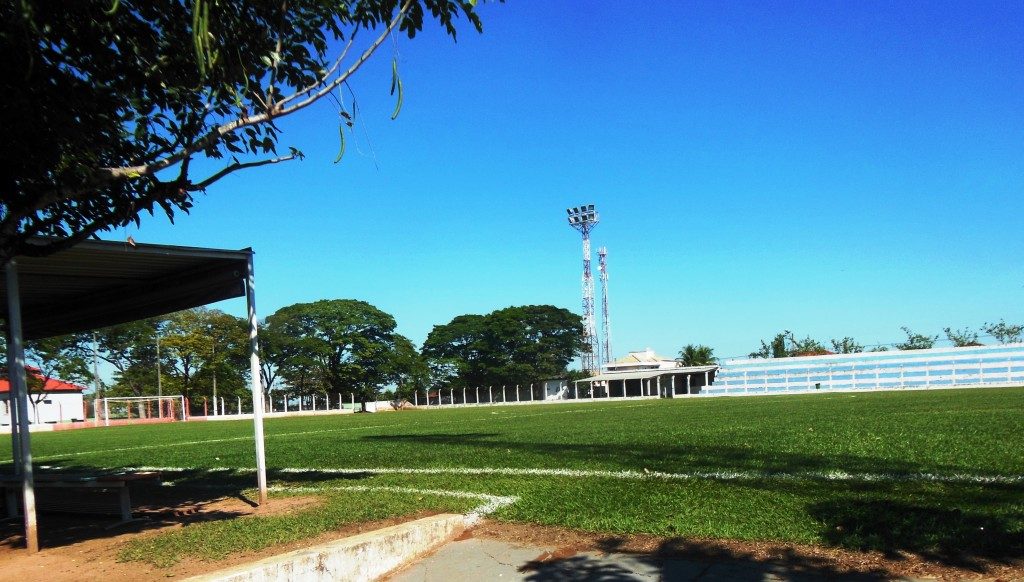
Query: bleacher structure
{"x": 998, "y": 365}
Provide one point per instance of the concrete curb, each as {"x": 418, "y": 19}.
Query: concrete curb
{"x": 366, "y": 556}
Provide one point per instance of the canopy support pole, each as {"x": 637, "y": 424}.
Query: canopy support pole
{"x": 19, "y": 398}
{"x": 257, "y": 384}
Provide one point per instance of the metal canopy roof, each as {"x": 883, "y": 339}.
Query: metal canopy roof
{"x": 645, "y": 374}
{"x": 100, "y": 283}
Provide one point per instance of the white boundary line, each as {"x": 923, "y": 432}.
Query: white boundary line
{"x": 628, "y": 475}
{"x": 491, "y": 504}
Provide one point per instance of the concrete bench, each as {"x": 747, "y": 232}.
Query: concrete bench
{"x": 95, "y": 502}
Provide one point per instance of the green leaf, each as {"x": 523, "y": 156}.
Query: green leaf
{"x": 341, "y": 136}
{"x": 396, "y": 83}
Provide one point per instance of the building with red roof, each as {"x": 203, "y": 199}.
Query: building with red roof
{"x": 54, "y": 402}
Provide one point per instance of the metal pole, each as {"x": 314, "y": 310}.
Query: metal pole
{"x": 451, "y": 396}
{"x": 415, "y": 397}
{"x": 477, "y": 395}
{"x": 463, "y": 395}
{"x": 517, "y": 392}
{"x": 106, "y": 412}
{"x": 673, "y": 378}
{"x": 502, "y": 393}
{"x": 576, "y": 389}
{"x": 257, "y": 388}
{"x": 159, "y": 384}
{"x": 95, "y": 365}
{"x": 490, "y": 395}
{"x": 19, "y": 395}
{"x": 687, "y": 384}
{"x": 531, "y": 392}
{"x": 239, "y": 405}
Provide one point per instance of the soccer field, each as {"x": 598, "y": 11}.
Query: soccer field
{"x": 924, "y": 471}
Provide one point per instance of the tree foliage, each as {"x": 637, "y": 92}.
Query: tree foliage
{"x": 961, "y": 337}
{"x": 1005, "y": 333}
{"x": 341, "y": 346}
{"x": 696, "y": 355}
{"x": 847, "y": 345}
{"x": 61, "y": 357}
{"x": 201, "y": 346}
{"x": 514, "y": 345}
{"x": 131, "y": 349}
{"x": 112, "y": 107}
{"x": 916, "y": 341}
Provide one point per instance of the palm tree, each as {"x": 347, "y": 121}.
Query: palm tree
{"x": 697, "y": 355}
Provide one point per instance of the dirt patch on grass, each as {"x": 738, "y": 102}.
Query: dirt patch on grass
{"x": 803, "y": 559}
{"x": 76, "y": 548}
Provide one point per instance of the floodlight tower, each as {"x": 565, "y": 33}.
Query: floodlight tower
{"x": 606, "y": 322}
{"x": 584, "y": 218}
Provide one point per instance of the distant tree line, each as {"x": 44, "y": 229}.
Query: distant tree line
{"x": 323, "y": 348}
{"x": 786, "y": 344}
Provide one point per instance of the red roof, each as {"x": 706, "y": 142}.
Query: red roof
{"x": 52, "y": 385}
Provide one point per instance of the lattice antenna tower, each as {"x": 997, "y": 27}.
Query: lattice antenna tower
{"x": 584, "y": 218}
{"x": 606, "y": 321}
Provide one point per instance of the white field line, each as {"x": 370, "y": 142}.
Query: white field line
{"x": 628, "y": 475}
{"x": 498, "y": 416}
{"x": 491, "y": 503}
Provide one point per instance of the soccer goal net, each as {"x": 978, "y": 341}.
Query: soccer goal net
{"x": 140, "y": 409}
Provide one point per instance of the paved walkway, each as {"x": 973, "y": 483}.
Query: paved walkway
{"x": 476, "y": 559}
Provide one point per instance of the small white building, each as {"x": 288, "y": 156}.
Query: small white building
{"x": 55, "y": 402}
{"x": 645, "y": 373}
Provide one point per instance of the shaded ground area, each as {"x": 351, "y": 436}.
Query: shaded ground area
{"x": 532, "y": 553}
{"x": 77, "y": 547}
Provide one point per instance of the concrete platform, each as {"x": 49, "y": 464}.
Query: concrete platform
{"x": 366, "y": 556}
{"x": 487, "y": 559}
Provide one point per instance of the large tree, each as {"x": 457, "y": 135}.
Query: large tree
{"x": 204, "y": 353}
{"x": 515, "y": 345}
{"x": 112, "y": 106}
{"x": 338, "y": 346}
{"x": 131, "y": 349}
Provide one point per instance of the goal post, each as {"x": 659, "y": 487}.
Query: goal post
{"x": 141, "y": 409}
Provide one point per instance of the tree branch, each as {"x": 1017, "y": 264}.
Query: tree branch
{"x": 215, "y": 135}
{"x": 234, "y": 168}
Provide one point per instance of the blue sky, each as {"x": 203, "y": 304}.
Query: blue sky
{"x": 832, "y": 168}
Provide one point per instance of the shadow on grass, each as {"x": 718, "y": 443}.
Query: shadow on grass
{"x": 956, "y": 537}
{"x": 681, "y": 559}
{"x": 658, "y": 456}
{"x": 958, "y": 524}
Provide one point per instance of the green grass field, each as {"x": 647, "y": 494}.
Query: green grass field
{"x": 938, "y": 473}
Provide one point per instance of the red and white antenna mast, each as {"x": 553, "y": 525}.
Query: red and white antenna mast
{"x": 606, "y": 322}
{"x": 584, "y": 218}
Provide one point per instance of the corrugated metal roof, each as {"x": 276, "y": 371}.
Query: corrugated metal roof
{"x": 100, "y": 283}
